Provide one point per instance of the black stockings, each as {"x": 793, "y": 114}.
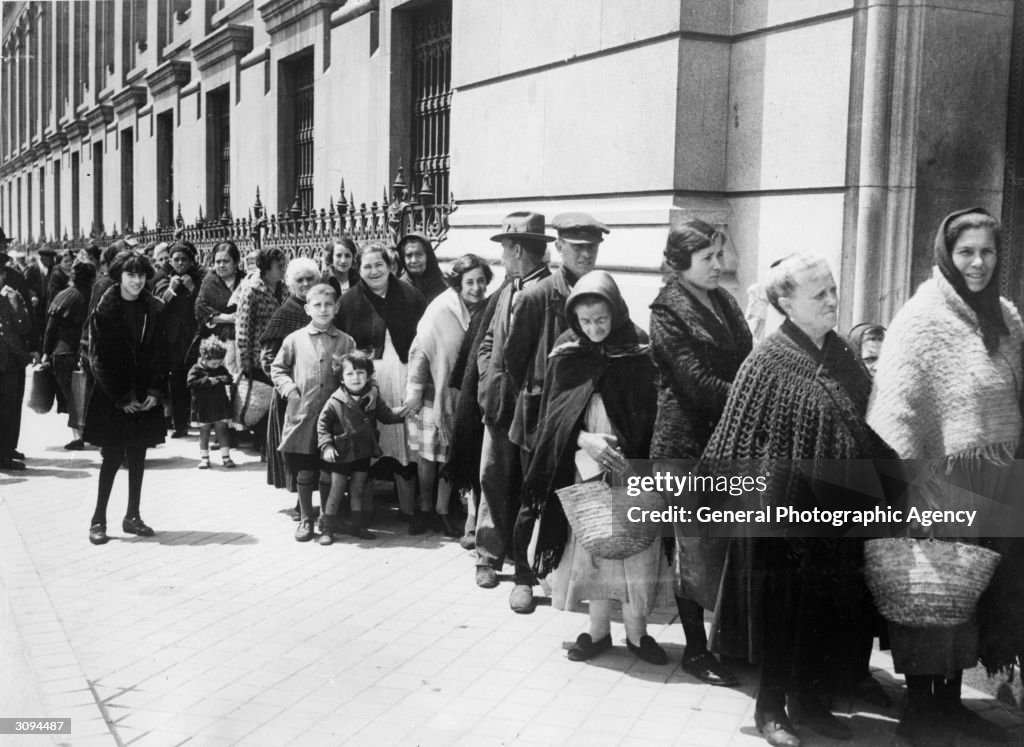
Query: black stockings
{"x": 113, "y": 458}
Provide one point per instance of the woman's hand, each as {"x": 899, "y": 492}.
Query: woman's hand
{"x": 330, "y": 454}
{"x": 294, "y": 396}
{"x": 132, "y": 406}
{"x": 413, "y": 404}
{"x": 149, "y": 402}
{"x": 603, "y": 449}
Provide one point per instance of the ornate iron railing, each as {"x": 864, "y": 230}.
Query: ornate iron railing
{"x": 297, "y": 233}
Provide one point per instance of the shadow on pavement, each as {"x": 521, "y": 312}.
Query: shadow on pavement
{"x": 191, "y": 538}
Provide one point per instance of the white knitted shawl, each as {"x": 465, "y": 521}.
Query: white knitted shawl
{"x": 938, "y": 393}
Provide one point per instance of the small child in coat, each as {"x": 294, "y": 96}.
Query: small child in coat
{"x": 305, "y": 373}
{"x": 347, "y": 437}
{"x": 211, "y": 404}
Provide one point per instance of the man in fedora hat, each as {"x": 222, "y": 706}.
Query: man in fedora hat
{"x": 523, "y": 244}
{"x": 15, "y": 347}
{"x": 538, "y": 318}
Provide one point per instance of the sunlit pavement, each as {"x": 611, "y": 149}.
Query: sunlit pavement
{"x": 222, "y": 629}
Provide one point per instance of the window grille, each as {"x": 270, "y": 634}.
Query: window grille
{"x": 218, "y": 113}
{"x": 304, "y": 133}
{"x": 432, "y": 98}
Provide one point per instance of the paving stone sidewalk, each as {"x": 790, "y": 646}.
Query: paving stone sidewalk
{"x": 222, "y": 630}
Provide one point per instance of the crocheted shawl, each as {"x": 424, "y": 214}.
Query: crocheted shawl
{"x": 938, "y": 392}
{"x": 793, "y": 401}
{"x": 287, "y": 318}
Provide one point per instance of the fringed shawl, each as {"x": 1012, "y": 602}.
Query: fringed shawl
{"x": 939, "y": 394}
{"x": 792, "y": 401}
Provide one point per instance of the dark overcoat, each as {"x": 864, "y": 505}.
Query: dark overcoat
{"x": 125, "y": 367}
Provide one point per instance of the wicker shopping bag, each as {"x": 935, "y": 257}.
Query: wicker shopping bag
{"x": 251, "y": 401}
{"x": 599, "y": 515}
{"x": 927, "y": 583}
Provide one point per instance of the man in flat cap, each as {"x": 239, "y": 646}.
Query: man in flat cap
{"x": 523, "y": 244}
{"x": 15, "y": 353}
{"x": 538, "y": 318}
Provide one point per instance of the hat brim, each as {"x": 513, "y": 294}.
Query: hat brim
{"x": 595, "y": 240}
{"x": 531, "y": 236}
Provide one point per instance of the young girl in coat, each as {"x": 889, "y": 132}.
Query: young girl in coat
{"x": 208, "y": 380}
{"x": 347, "y": 437}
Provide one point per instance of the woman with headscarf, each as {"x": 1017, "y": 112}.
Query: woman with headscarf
{"x": 699, "y": 337}
{"x": 290, "y": 316}
{"x": 600, "y": 397}
{"x": 127, "y": 358}
{"x": 866, "y": 340}
{"x": 178, "y": 290}
{"x": 439, "y": 336}
{"x": 62, "y": 341}
{"x": 417, "y": 265}
{"x": 947, "y": 390}
{"x": 796, "y": 605}
{"x": 381, "y": 314}
{"x": 215, "y": 312}
{"x": 340, "y": 271}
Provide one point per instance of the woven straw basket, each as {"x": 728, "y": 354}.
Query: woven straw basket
{"x": 597, "y": 514}
{"x": 927, "y": 583}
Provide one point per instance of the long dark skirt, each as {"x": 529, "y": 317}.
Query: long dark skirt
{"x": 278, "y": 473}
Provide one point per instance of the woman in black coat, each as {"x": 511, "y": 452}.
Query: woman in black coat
{"x": 179, "y": 290}
{"x": 127, "y": 357}
{"x": 699, "y": 338}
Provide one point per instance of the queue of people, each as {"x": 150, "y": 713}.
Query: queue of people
{"x": 503, "y": 402}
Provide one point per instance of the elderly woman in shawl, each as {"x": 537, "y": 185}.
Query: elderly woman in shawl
{"x": 797, "y": 606}
{"x": 381, "y": 314}
{"x": 417, "y": 265}
{"x": 432, "y": 356}
{"x": 599, "y": 397}
{"x": 300, "y": 275}
{"x": 947, "y": 390}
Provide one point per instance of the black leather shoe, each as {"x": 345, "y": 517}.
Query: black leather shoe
{"x": 98, "y": 534}
{"x": 648, "y": 650}
{"x": 706, "y": 668}
{"x": 777, "y": 729}
{"x": 76, "y": 445}
{"x": 15, "y": 454}
{"x": 587, "y": 648}
{"x": 10, "y": 464}
{"x": 137, "y": 526}
{"x": 179, "y": 434}
{"x": 808, "y": 710}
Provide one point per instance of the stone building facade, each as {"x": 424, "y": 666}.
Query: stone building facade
{"x": 847, "y": 127}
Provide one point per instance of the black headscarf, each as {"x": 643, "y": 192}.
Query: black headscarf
{"x": 619, "y": 368}
{"x": 985, "y": 303}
